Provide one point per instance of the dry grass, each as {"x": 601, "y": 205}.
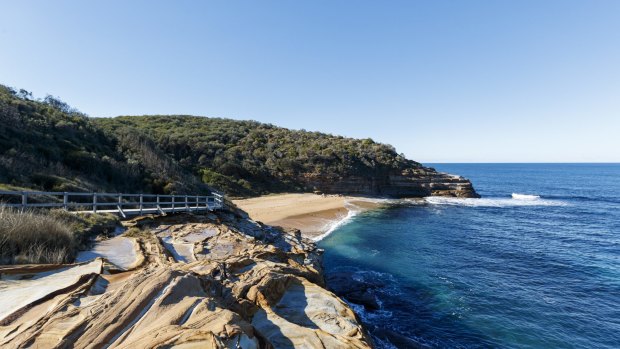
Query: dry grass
{"x": 140, "y": 233}
{"x": 27, "y": 237}
{"x": 47, "y": 237}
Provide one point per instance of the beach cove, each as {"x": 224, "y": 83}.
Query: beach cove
{"x": 315, "y": 215}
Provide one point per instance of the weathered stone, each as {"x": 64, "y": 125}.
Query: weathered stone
{"x": 240, "y": 285}
{"x": 414, "y": 182}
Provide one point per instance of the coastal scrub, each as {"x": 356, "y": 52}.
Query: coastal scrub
{"x": 48, "y": 237}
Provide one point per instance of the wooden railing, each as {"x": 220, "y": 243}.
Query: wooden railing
{"x": 123, "y": 204}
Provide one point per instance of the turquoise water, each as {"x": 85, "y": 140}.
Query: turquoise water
{"x": 496, "y": 272}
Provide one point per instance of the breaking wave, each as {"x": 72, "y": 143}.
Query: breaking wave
{"x": 516, "y": 200}
{"x": 352, "y": 212}
{"x": 517, "y": 196}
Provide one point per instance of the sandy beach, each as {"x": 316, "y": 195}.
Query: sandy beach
{"x": 311, "y": 213}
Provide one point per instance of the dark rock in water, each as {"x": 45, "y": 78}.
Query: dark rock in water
{"x": 398, "y": 340}
{"x": 366, "y": 298}
{"x": 354, "y": 291}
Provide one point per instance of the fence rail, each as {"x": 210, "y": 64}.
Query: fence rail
{"x": 123, "y": 204}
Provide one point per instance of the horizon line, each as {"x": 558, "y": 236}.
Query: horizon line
{"x": 525, "y": 162}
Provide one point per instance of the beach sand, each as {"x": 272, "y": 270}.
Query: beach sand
{"x": 312, "y": 214}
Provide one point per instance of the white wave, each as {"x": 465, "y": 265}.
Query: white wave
{"x": 491, "y": 202}
{"x": 376, "y": 200}
{"x": 352, "y": 212}
{"x": 517, "y": 196}
{"x": 413, "y": 201}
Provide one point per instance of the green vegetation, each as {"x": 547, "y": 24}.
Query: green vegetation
{"x": 48, "y": 237}
{"x": 249, "y": 158}
{"x": 45, "y": 144}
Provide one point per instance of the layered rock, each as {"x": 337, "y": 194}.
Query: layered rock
{"x": 412, "y": 182}
{"x": 214, "y": 281}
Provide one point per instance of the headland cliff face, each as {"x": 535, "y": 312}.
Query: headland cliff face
{"x": 196, "y": 281}
{"x": 409, "y": 183}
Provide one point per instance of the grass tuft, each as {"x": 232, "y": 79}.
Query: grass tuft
{"x": 47, "y": 237}
{"x": 27, "y": 237}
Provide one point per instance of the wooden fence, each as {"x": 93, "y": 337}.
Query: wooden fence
{"x": 122, "y": 204}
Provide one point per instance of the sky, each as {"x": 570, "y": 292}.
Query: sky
{"x": 442, "y": 81}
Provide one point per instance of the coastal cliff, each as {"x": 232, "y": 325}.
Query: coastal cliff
{"x": 218, "y": 280}
{"x": 413, "y": 182}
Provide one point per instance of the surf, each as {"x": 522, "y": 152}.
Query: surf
{"x": 518, "y": 196}
{"x": 514, "y": 200}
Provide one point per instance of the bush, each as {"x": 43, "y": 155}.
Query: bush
{"x": 27, "y": 237}
{"x": 49, "y": 237}
{"x": 85, "y": 226}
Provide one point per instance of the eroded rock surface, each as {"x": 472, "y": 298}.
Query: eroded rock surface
{"x": 214, "y": 281}
{"x": 122, "y": 252}
{"x": 417, "y": 181}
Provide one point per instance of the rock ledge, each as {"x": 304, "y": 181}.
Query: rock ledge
{"x": 213, "y": 281}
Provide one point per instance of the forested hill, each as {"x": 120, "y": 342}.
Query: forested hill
{"x": 45, "y": 144}
{"x": 251, "y": 158}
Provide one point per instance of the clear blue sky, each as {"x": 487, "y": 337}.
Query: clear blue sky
{"x": 443, "y": 81}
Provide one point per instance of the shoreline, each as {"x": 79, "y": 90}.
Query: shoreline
{"x": 316, "y": 216}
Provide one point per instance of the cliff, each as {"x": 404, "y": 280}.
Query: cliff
{"x": 418, "y": 182}
{"x": 213, "y": 281}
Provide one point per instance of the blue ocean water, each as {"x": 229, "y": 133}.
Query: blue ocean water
{"x": 496, "y": 272}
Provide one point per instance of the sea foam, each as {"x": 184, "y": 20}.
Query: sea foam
{"x": 517, "y": 196}
{"x": 352, "y": 212}
{"x": 519, "y": 200}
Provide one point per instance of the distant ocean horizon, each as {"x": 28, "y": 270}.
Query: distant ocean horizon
{"x": 441, "y": 164}
{"x": 534, "y": 263}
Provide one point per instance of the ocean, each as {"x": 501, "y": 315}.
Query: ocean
{"x": 537, "y": 269}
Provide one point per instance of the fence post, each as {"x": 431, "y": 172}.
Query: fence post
{"x": 221, "y": 201}
{"x": 119, "y": 206}
{"x": 65, "y": 201}
{"x": 141, "y": 203}
{"x": 186, "y": 203}
{"x": 173, "y": 200}
{"x": 24, "y": 200}
{"x": 95, "y": 202}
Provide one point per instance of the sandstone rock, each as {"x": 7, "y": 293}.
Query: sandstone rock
{"x": 297, "y": 314}
{"x": 413, "y": 182}
{"x": 122, "y": 252}
{"x": 242, "y": 285}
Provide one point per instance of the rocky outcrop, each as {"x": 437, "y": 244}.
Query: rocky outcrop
{"x": 214, "y": 281}
{"x": 409, "y": 183}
